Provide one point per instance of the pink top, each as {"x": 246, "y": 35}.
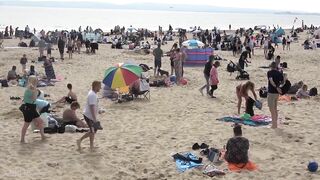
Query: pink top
{"x": 214, "y": 76}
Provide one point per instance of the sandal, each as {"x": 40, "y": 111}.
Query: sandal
{"x": 196, "y": 146}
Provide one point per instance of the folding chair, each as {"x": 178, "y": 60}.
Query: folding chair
{"x": 144, "y": 89}
{"x": 124, "y": 94}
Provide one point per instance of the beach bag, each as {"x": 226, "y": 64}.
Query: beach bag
{"x": 263, "y": 92}
{"x": 313, "y": 91}
{"x": 23, "y": 108}
{"x": 4, "y": 83}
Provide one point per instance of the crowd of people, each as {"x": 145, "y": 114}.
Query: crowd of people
{"x": 237, "y": 147}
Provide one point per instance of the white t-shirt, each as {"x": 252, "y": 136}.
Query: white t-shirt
{"x": 92, "y": 99}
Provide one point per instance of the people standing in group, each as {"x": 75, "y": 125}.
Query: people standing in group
{"x": 11, "y": 31}
{"x": 284, "y": 43}
{"x": 206, "y": 73}
{"x": 49, "y": 48}
{"x": 42, "y": 46}
{"x": 29, "y": 110}
{"x": 90, "y": 115}
{"x": 172, "y": 54}
{"x": 158, "y": 54}
{"x": 275, "y": 78}
{"x": 214, "y": 80}
{"x": 178, "y": 65}
{"x": 288, "y": 42}
{"x": 70, "y": 47}
{"x": 61, "y": 45}
{"x": 242, "y": 91}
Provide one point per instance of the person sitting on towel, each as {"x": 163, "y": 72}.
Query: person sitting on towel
{"x": 70, "y": 116}
{"x": 303, "y": 92}
{"x": 71, "y": 96}
{"x": 237, "y": 151}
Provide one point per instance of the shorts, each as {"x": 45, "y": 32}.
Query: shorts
{"x": 69, "y": 100}
{"x": 272, "y": 100}
{"x": 61, "y": 50}
{"x": 45, "y": 109}
{"x": 171, "y": 62}
{"x": 90, "y": 124}
{"x": 30, "y": 112}
{"x": 157, "y": 63}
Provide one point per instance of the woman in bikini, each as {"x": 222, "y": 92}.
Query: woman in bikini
{"x": 242, "y": 91}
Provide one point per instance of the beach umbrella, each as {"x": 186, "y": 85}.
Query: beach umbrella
{"x": 121, "y": 75}
{"x": 193, "y": 43}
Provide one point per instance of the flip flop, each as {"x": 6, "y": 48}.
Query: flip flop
{"x": 196, "y": 146}
{"x": 204, "y": 146}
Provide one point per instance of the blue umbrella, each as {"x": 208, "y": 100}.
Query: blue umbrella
{"x": 193, "y": 43}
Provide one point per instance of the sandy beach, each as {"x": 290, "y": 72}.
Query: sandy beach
{"x": 140, "y": 136}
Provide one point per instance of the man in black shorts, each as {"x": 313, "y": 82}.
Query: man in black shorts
{"x": 275, "y": 78}
{"x": 157, "y": 53}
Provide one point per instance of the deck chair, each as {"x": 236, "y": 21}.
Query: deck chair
{"x": 144, "y": 89}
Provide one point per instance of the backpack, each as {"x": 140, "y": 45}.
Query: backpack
{"x": 313, "y": 91}
{"x": 263, "y": 92}
{"x": 4, "y": 83}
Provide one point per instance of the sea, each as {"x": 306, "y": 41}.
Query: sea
{"x": 71, "y": 18}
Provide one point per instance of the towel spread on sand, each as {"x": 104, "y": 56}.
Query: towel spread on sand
{"x": 257, "y": 120}
{"x": 183, "y": 165}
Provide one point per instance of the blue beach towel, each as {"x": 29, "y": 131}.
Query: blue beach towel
{"x": 184, "y": 165}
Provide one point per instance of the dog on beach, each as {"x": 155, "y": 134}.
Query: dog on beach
{"x": 163, "y": 72}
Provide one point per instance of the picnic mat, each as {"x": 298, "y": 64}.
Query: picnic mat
{"x": 256, "y": 120}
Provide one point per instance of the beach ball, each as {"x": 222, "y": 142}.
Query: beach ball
{"x": 313, "y": 166}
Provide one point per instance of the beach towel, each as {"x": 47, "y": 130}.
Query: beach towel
{"x": 257, "y": 120}
{"x": 250, "y": 166}
{"x": 187, "y": 162}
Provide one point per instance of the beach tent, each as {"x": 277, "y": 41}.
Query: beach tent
{"x": 198, "y": 57}
{"x": 279, "y": 32}
{"x": 92, "y": 36}
{"x": 316, "y": 32}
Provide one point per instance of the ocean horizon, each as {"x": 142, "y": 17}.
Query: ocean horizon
{"x": 51, "y": 18}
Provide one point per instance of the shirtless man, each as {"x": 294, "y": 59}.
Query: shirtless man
{"x": 70, "y": 116}
{"x": 71, "y": 96}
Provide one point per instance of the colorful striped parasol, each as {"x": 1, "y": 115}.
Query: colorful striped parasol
{"x": 121, "y": 75}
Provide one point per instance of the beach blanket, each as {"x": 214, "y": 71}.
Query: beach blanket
{"x": 257, "y": 120}
{"x": 183, "y": 165}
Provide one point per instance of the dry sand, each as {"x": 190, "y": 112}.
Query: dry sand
{"x": 139, "y": 136}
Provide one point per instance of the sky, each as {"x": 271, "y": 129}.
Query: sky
{"x": 281, "y": 5}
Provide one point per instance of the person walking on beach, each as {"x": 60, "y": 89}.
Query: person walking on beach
{"x": 29, "y": 110}
{"x": 274, "y": 81}
{"x": 206, "y": 73}
{"x": 23, "y": 62}
{"x": 61, "y": 45}
{"x": 284, "y": 43}
{"x": 90, "y": 114}
{"x": 157, "y": 53}
{"x": 214, "y": 80}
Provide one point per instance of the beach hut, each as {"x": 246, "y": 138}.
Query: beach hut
{"x": 198, "y": 57}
